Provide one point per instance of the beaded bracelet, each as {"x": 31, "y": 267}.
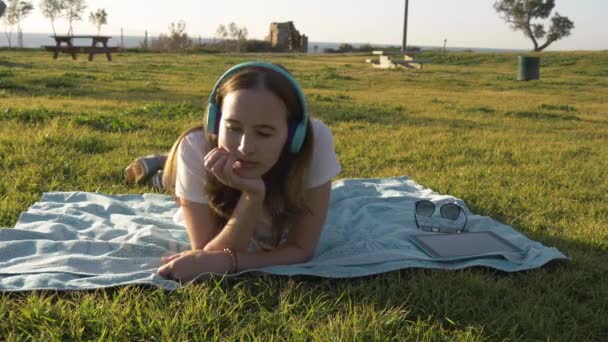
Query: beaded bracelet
{"x": 233, "y": 259}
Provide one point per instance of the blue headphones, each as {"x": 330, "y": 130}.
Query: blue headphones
{"x": 297, "y": 130}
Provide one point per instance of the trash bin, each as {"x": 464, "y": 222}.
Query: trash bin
{"x": 528, "y": 68}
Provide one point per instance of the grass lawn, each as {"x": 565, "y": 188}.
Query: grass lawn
{"x": 533, "y": 155}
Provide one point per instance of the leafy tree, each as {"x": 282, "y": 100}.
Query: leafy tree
{"x": 16, "y": 11}
{"x": 345, "y": 47}
{"x": 366, "y": 48}
{"x": 52, "y": 9}
{"x": 521, "y": 13}
{"x": 73, "y": 12}
{"x": 9, "y": 21}
{"x": 238, "y": 34}
{"x": 98, "y": 18}
{"x": 176, "y": 40}
{"x": 2, "y": 8}
{"x": 221, "y": 34}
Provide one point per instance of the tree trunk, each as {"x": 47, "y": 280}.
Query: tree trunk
{"x": 531, "y": 34}
{"x": 9, "y": 38}
{"x": 542, "y": 47}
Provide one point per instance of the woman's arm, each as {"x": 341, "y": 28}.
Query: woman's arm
{"x": 300, "y": 246}
{"x": 200, "y": 223}
{"x": 302, "y": 239}
{"x": 239, "y": 229}
{"x": 204, "y": 230}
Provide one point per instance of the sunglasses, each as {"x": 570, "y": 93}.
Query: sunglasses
{"x": 449, "y": 221}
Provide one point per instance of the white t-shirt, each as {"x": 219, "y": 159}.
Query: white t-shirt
{"x": 190, "y": 178}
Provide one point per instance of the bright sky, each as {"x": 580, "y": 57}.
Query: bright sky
{"x": 470, "y": 23}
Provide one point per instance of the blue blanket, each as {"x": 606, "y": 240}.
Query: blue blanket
{"x": 81, "y": 240}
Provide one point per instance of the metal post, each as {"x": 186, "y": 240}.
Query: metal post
{"x": 404, "y": 45}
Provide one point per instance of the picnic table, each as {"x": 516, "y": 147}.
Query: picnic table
{"x": 386, "y": 60}
{"x": 73, "y": 49}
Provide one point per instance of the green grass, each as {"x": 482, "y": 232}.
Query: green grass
{"x": 532, "y": 154}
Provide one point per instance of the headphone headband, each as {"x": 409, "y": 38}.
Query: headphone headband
{"x": 214, "y": 114}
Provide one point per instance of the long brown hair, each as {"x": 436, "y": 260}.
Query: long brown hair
{"x": 286, "y": 182}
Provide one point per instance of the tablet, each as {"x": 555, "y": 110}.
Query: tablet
{"x": 463, "y": 245}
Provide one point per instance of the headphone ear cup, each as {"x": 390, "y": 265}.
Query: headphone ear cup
{"x": 298, "y": 137}
{"x": 213, "y": 118}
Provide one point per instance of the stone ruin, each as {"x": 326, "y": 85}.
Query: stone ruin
{"x": 284, "y": 37}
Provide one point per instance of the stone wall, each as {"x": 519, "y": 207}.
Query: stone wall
{"x": 285, "y": 37}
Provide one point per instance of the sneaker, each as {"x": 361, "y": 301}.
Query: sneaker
{"x": 142, "y": 168}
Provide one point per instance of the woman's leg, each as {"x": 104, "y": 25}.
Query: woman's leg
{"x": 144, "y": 168}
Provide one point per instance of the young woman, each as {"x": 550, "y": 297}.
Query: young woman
{"x": 253, "y": 183}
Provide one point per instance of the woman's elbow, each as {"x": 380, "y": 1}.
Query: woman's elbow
{"x": 306, "y": 255}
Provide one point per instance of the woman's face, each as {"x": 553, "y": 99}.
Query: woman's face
{"x": 254, "y": 129}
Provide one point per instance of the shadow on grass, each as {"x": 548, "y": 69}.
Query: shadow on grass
{"x": 11, "y": 86}
{"x": 127, "y": 120}
{"x": 7, "y": 63}
{"x": 107, "y": 124}
{"x": 82, "y": 145}
{"x": 102, "y": 123}
{"x": 544, "y": 112}
{"x": 30, "y": 116}
{"x": 539, "y": 115}
{"x": 81, "y": 87}
{"x": 391, "y": 116}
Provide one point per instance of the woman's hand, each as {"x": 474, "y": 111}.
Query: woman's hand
{"x": 221, "y": 163}
{"x": 188, "y": 265}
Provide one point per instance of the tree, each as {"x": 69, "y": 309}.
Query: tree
{"x": 178, "y": 38}
{"x": 9, "y": 21}
{"x": 16, "y": 11}
{"x": 238, "y": 34}
{"x": 367, "y": 47}
{"x": 52, "y": 9}
{"x": 521, "y": 13}
{"x": 23, "y": 9}
{"x": 73, "y": 12}
{"x": 98, "y": 18}
{"x": 221, "y": 34}
{"x": 345, "y": 47}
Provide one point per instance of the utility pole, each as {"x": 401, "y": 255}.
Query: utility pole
{"x": 404, "y": 45}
